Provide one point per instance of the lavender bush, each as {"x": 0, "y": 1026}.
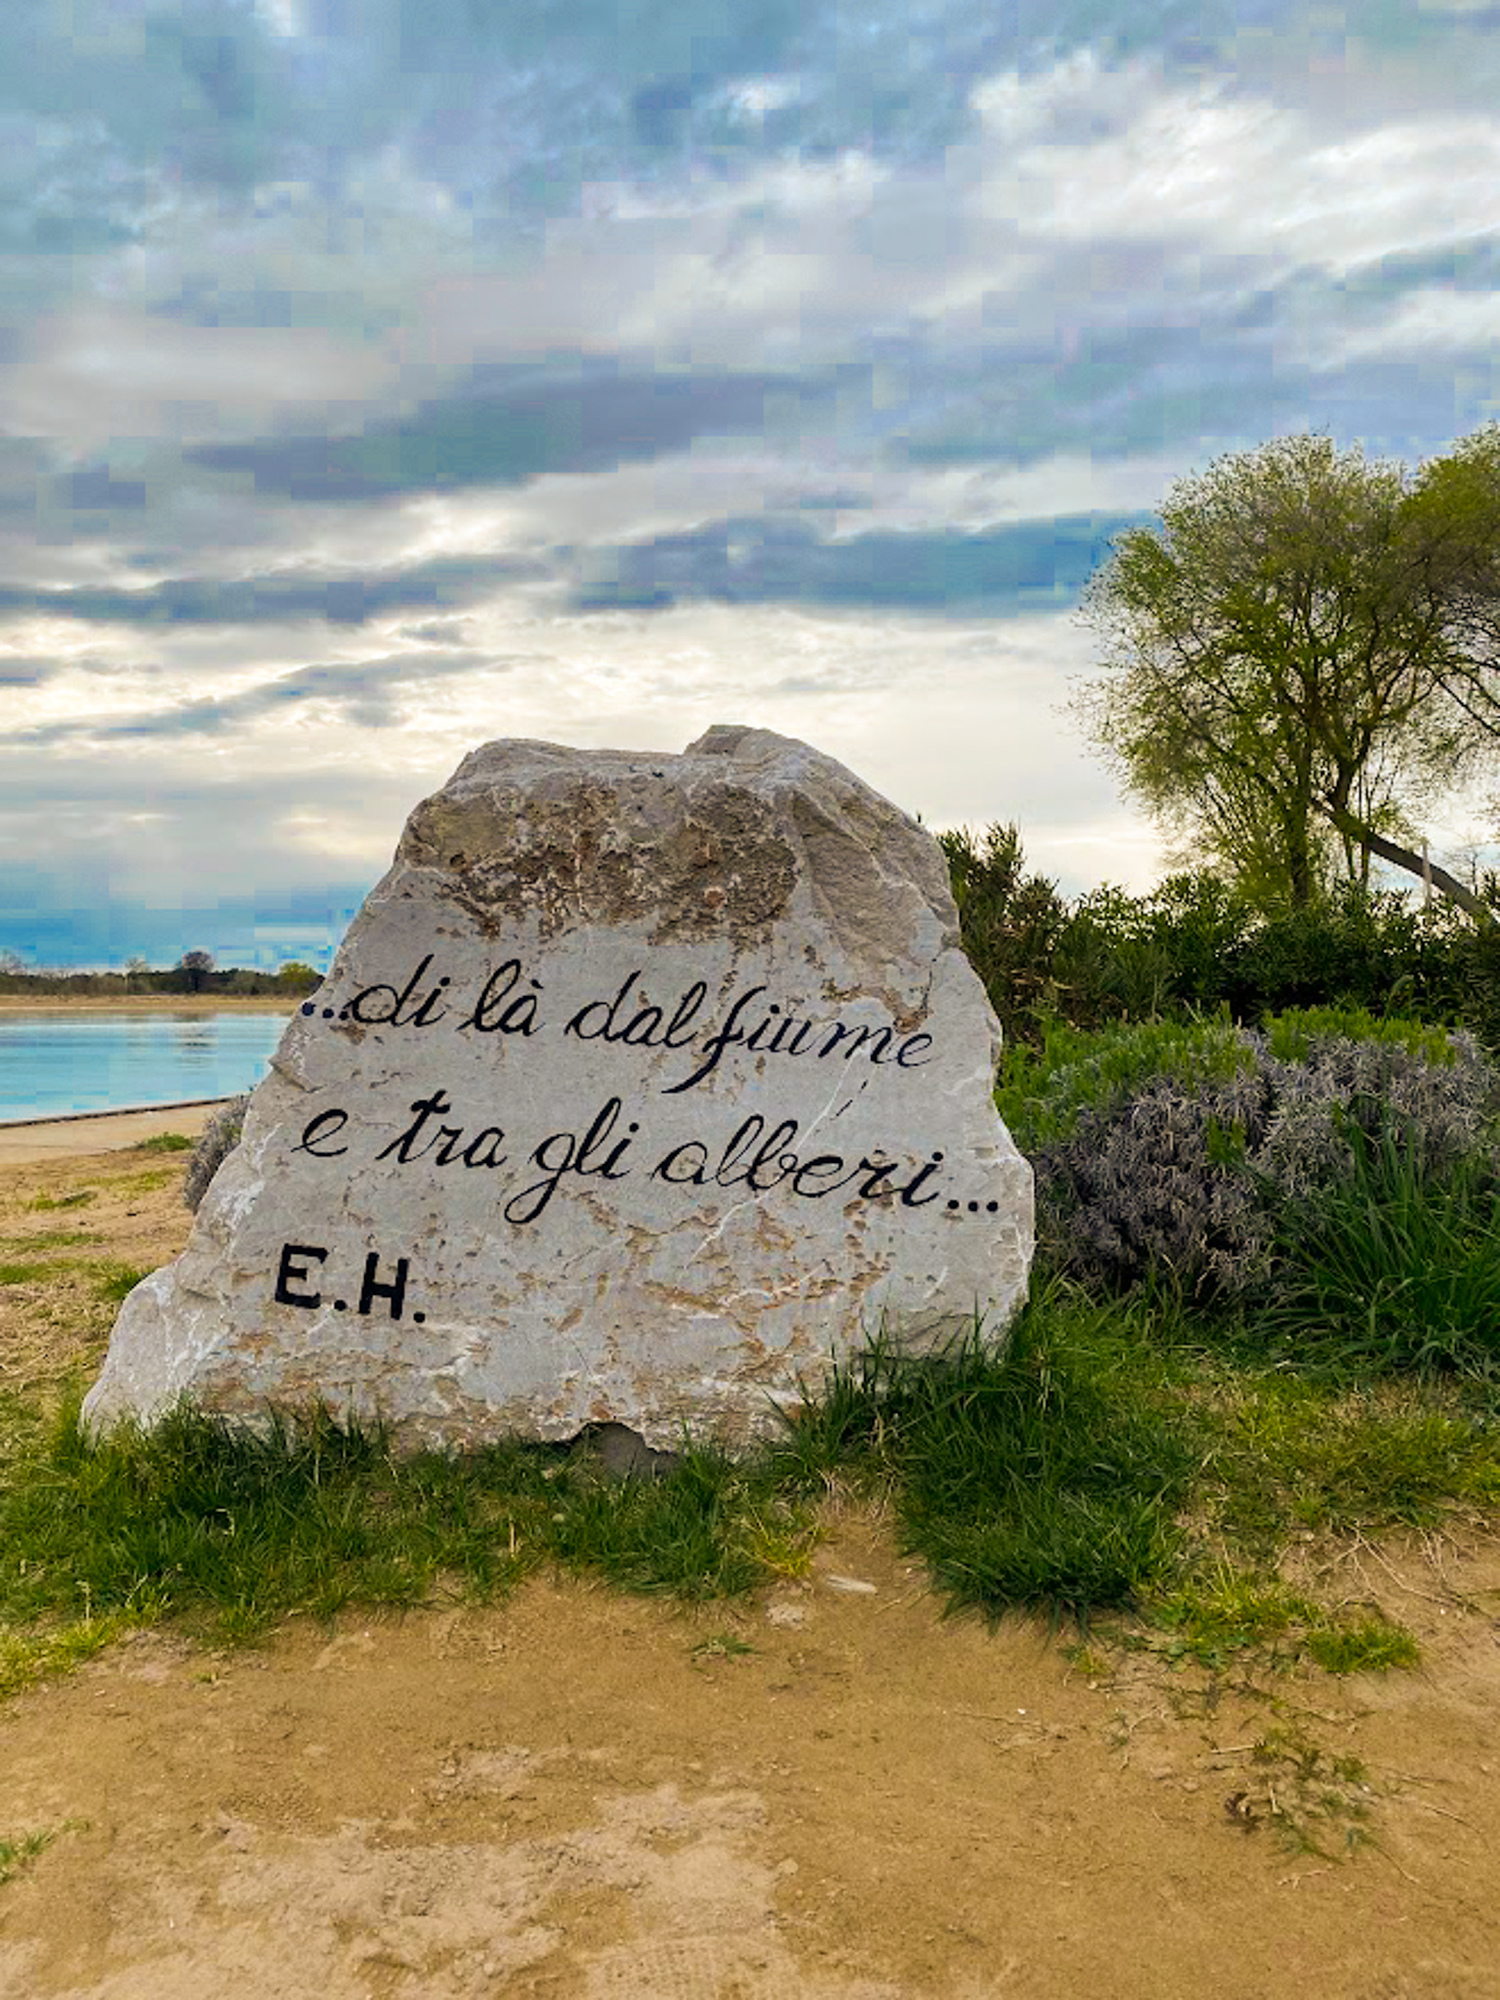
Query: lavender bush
{"x": 1186, "y": 1181}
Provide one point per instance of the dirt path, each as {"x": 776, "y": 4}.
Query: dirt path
{"x": 831, "y": 1793}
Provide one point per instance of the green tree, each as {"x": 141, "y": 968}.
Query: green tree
{"x": 1303, "y": 660}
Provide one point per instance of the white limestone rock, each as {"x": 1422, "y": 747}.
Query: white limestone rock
{"x": 640, "y": 1087}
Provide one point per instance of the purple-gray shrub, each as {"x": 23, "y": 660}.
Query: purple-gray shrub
{"x": 1185, "y": 1181}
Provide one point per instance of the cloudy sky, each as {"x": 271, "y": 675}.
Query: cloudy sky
{"x": 384, "y": 376}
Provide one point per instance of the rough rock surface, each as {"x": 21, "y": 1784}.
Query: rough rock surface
{"x": 640, "y": 1087}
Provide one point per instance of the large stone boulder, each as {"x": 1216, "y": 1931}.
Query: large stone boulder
{"x": 641, "y": 1087}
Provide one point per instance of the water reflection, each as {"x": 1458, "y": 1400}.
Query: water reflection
{"x": 53, "y": 1063}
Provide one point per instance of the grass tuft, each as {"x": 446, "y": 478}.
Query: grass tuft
{"x": 1043, "y": 1473}
{"x": 1364, "y": 1646}
{"x": 1395, "y": 1268}
{"x": 166, "y": 1142}
{"x": 113, "y": 1283}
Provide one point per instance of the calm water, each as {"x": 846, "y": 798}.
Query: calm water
{"x": 51, "y": 1064}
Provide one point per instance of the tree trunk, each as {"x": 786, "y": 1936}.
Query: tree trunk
{"x": 1403, "y": 857}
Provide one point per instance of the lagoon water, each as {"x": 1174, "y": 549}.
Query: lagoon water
{"x": 54, "y": 1063}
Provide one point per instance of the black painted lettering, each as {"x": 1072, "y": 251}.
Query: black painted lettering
{"x": 450, "y": 1136}
{"x": 754, "y": 1041}
{"x": 583, "y": 1024}
{"x": 495, "y": 1011}
{"x": 695, "y": 1177}
{"x": 313, "y": 1133}
{"x": 641, "y": 1033}
{"x": 769, "y": 1156}
{"x": 496, "y": 987}
{"x": 822, "y": 1166}
{"x": 875, "y": 1172}
{"x": 432, "y": 1008}
{"x": 912, "y": 1042}
{"x": 804, "y": 1029}
{"x": 371, "y": 1289}
{"x": 360, "y": 1005}
{"x": 530, "y": 1202}
{"x": 721, "y": 1039}
{"x": 290, "y": 1270}
{"x": 743, "y": 1139}
{"x": 483, "y": 1149}
{"x": 856, "y": 1038}
{"x": 679, "y": 1029}
{"x": 425, "y": 1108}
{"x": 598, "y": 1132}
{"x": 922, "y": 1174}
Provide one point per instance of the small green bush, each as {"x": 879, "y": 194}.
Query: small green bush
{"x": 1044, "y": 1091}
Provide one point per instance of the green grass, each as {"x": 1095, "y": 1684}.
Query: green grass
{"x": 43, "y": 1204}
{"x": 1365, "y": 1645}
{"x": 1291, "y": 1033}
{"x": 166, "y": 1142}
{"x": 1127, "y": 1456}
{"x": 235, "y": 1531}
{"x": 113, "y": 1283}
{"x": 54, "y": 1239}
{"x": 1099, "y": 1462}
{"x": 29, "y": 1273}
{"x": 14, "y": 1854}
{"x": 1046, "y": 1475}
{"x": 1397, "y": 1268}
{"x": 1042, "y": 1091}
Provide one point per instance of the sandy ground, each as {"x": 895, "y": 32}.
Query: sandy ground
{"x": 827, "y": 1793}
{"x": 29, "y": 1140}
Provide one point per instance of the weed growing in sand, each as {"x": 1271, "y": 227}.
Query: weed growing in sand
{"x": 14, "y": 1854}
{"x": 1370, "y": 1644}
{"x": 43, "y": 1204}
{"x": 720, "y": 1646}
{"x": 54, "y": 1239}
{"x": 166, "y": 1142}
{"x": 1305, "y": 1793}
{"x": 148, "y": 1182}
{"x": 31, "y": 1655}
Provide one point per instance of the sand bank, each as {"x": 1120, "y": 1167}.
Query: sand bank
{"x": 89, "y": 1132}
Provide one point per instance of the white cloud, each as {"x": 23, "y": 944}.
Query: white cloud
{"x": 99, "y": 373}
{"x": 1424, "y": 323}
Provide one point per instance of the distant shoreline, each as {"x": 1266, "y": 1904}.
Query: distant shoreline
{"x": 113, "y": 1111}
{"x": 154, "y": 1003}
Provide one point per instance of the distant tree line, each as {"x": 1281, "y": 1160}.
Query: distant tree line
{"x": 195, "y": 972}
